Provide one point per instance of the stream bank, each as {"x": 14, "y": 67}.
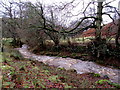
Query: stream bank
{"x": 69, "y": 63}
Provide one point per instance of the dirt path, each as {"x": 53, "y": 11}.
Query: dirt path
{"x": 69, "y": 63}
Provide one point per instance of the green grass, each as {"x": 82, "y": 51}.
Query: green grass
{"x": 77, "y": 40}
{"x": 73, "y": 40}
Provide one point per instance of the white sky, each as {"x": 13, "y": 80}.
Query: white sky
{"x": 77, "y": 9}
{"x": 106, "y": 18}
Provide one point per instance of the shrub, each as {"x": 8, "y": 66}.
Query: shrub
{"x": 12, "y": 42}
{"x": 102, "y": 81}
{"x": 16, "y": 55}
{"x": 96, "y": 75}
{"x": 7, "y": 41}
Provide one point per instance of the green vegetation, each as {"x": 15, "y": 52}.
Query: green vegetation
{"x": 23, "y": 73}
{"x": 38, "y": 25}
{"x": 61, "y": 68}
{"x": 7, "y": 41}
{"x": 96, "y": 75}
{"x": 115, "y": 85}
{"x": 53, "y": 78}
{"x": 109, "y": 82}
{"x": 102, "y": 81}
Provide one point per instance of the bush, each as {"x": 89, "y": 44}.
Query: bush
{"x": 16, "y": 55}
{"x": 12, "y": 42}
{"x": 7, "y": 41}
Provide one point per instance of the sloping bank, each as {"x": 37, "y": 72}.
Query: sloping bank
{"x": 69, "y": 63}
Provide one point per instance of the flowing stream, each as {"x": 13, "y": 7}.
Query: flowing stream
{"x": 69, "y": 63}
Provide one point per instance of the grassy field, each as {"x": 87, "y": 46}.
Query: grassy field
{"x": 80, "y": 40}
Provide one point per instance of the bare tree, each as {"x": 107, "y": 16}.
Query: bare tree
{"x": 10, "y": 20}
{"x": 38, "y": 18}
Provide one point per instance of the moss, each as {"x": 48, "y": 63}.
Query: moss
{"x": 67, "y": 86}
{"x": 64, "y": 56}
{"x": 84, "y": 54}
{"x": 115, "y": 85}
{"x": 6, "y": 67}
{"x": 53, "y": 78}
{"x": 102, "y": 81}
{"x": 109, "y": 82}
{"x": 73, "y": 54}
{"x": 61, "y": 68}
{"x": 96, "y": 75}
{"x": 8, "y": 84}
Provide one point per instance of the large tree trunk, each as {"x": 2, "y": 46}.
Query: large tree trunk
{"x": 99, "y": 20}
{"x": 118, "y": 35}
{"x": 99, "y": 45}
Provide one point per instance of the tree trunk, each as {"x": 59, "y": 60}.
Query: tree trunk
{"x": 99, "y": 20}
{"x": 56, "y": 42}
{"x": 98, "y": 43}
{"x": 118, "y": 35}
{"x": 54, "y": 38}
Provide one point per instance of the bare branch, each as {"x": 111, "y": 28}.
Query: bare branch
{"x": 113, "y": 8}
{"x": 108, "y": 2}
{"x": 78, "y": 24}
{"x": 109, "y": 17}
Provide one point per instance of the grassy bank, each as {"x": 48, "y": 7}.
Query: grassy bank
{"x": 23, "y": 73}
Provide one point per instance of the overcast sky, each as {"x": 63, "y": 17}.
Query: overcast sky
{"x": 77, "y": 9}
{"x": 114, "y": 3}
